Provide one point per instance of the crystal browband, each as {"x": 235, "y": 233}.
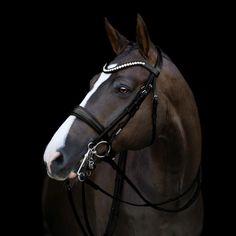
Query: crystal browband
{"x": 155, "y": 70}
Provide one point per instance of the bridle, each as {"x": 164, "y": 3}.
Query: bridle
{"x": 105, "y": 137}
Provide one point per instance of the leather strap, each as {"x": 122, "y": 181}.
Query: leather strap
{"x": 82, "y": 114}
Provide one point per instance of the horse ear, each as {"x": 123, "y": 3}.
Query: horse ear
{"x": 143, "y": 38}
{"x": 117, "y": 40}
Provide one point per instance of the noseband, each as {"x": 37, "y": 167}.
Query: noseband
{"x": 107, "y": 135}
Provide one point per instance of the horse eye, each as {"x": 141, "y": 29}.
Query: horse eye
{"x": 123, "y": 89}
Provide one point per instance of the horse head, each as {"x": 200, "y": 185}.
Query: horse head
{"x": 118, "y": 110}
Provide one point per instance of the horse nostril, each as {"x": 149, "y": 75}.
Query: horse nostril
{"x": 57, "y": 163}
{"x": 57, "y": 168}
{"x": 59, "y": 160}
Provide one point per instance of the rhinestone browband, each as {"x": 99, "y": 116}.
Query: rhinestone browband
{"x": 130, "y": 64}
{"x": 122, "y": 66}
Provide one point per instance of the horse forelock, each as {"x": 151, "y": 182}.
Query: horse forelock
{"x": 131, "y": 53}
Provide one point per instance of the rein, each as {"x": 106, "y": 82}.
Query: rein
{"x": 195, "y": 183}
{"x": 105, "y": 137}
{"x": 116, "y": 197}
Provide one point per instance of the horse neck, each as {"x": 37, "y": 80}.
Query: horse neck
{"x": 172, "y": 161}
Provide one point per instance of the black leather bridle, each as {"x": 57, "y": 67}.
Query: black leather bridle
{"x": 107, "y": 135}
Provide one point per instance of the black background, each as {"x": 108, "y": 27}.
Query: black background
{"x": 51, "y": 54}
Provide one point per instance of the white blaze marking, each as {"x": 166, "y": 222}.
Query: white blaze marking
{"x": 58, "y": 140}
{"x": 103, "y": 77}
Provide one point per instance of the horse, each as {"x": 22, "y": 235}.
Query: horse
{"x": 130, "y": 154}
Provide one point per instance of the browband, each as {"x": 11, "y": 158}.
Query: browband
{"x": 155, "y": 70}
